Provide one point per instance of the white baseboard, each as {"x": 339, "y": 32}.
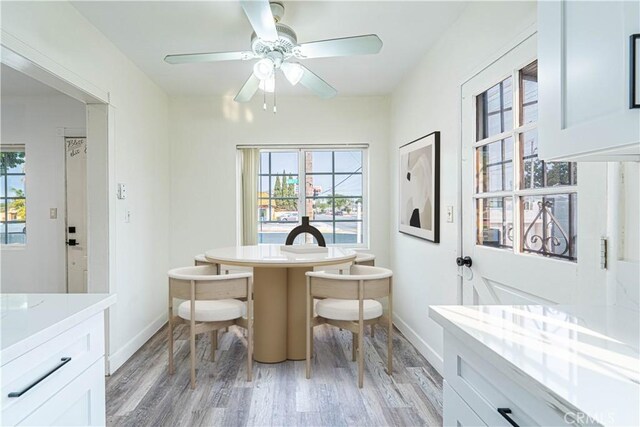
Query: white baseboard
{"x": 421, "y": 345}
{"x": 117, "y": 359}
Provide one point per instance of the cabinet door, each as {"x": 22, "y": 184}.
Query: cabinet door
{"x": 79, "y": 403}
{"x": 584, "y": 72}
{"x": 456, "y": 412}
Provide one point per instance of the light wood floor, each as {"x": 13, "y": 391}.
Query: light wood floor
{"x": 142, "y": 393}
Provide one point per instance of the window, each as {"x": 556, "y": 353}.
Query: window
{"x": 327, "y": 185}
{"x": 509, "y": 174}
{"x": 13, "y": 212}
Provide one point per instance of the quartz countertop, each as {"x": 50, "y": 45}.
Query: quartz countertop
{"x": 586, "y": 356}
{"x": 28, "y": 320}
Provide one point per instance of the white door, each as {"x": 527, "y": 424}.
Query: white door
{"x": 531, "y": 229}
{"x": 76, "y": 188}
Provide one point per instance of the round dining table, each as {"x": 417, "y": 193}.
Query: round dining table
{"x": 279, "y": 289}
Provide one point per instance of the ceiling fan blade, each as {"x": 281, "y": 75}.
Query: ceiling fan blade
{"x": 259, "y": 14}
{"x": 185, "y": 58}
{"x": 248, "y": 90}
{"x": 311, "y": 81}
{"x": 357, "y": 45}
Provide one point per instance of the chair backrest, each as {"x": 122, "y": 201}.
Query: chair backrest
{"x": 376, "y": 283}
{"x": 207, "y": 284}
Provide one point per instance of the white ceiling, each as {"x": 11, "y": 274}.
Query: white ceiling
{"x": 14, "y": 83}
{"x": 146, "y": 31}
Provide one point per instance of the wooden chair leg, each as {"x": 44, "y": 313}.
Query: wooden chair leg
{"x": 214, "y": 344}
{"x": 250, "y": 351}
{"x": 309, "y": 330}
{"x": 354, "y": 346}
{"x": 170, "y": 342}
{"x": 372, "y": 332}
{"x": 193, "y": 354}
{"x": 390, "y": 348}
{"x": 361, "y": 355}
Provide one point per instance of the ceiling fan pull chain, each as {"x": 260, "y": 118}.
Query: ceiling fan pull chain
{"x": 264, "y": 100}
{"x": 275, "y": 109}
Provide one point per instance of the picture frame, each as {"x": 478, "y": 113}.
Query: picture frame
{"x": 634, "y": 73}
{"x": 419, "y": 188}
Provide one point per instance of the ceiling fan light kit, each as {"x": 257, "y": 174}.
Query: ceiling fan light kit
{"x": 274, "y": 44}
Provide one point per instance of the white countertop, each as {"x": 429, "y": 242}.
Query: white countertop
{"x": 587, "y": 356}
{"x": 28, "y": 320}
{"x": 272, "y": 255}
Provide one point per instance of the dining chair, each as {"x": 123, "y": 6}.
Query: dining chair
{"x": 349, "y": 301}
{"x": 365, "y": 258}
{"x": 212, "y": 303}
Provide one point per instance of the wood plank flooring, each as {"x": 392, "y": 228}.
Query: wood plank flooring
{"x": 141, "y": 393}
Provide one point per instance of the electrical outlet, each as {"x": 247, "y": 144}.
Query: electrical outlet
{"x": 53, "y": 213}
{"x": 449, "y": 213}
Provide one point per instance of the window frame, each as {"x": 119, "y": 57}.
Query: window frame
{"x": 301, "y": 151}
{"x": 518, "y": 192}
{"x": 6, "y": 148}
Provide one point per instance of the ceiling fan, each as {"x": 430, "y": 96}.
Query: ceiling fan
{"x": 276, "y": 47}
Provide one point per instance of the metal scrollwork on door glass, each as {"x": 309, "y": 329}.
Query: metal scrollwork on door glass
{"x": 551, "y": 230}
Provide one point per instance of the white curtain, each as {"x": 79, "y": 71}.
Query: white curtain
{"x": 250, "y": 163}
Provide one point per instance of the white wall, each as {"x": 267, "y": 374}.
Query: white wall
{"x": 33, "y": 121}
{"x": 427, "y": 100}
{"x": 204, "y": 134}
{"x": 58, "y": 33}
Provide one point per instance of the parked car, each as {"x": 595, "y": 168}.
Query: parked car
{"x": 289, "y": 217}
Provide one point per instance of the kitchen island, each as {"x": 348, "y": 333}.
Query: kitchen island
{"x": 52, "y": 349}
{"x": 540, "y": 365}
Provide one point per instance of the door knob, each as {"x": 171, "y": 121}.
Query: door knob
{"x": 464, "y": 261}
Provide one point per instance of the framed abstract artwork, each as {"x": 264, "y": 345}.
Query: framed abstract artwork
{"x": 419, "y": 180}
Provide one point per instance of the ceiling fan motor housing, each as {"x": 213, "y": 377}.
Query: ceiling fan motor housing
{"x": 287, "y": 40}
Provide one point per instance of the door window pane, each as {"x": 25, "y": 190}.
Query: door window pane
{"x": 495, "y": 166}
{"x": 549, "y": 225}
{"x": 537, "y": 173}
{"x": 495, "y": 222}
{"x": 529, "y": 93}
{"x": 494, "y": 109}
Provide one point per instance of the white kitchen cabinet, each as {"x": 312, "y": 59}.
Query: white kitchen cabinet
{"x": 584, "y": 80}
{"x": 52, "y": 359}
{"x": 457, "y": 413}
{"x": 539, "y": 365}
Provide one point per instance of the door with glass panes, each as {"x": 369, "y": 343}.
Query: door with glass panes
{"x": 527, "y": 231}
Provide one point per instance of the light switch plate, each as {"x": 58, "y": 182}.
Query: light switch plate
{"x": 53, "y": 213}
{"x": 449, "y": 213}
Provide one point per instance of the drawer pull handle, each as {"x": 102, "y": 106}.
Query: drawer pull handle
{"x": 505, "y": 414}
{"x": 63, "y": 362}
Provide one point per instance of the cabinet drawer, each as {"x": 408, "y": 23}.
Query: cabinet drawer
{"x": 485, "y": 389}
{"x": 41, "y": 372}
{"x": 456, "y": 412}
{"x": 79, "y": 403}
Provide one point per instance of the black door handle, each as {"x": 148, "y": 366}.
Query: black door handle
{"x": 464, "y": 261}
{"x": 72, "y": 242}
{"x": 63, "y": 361}
{"x": 505, "y": 414}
